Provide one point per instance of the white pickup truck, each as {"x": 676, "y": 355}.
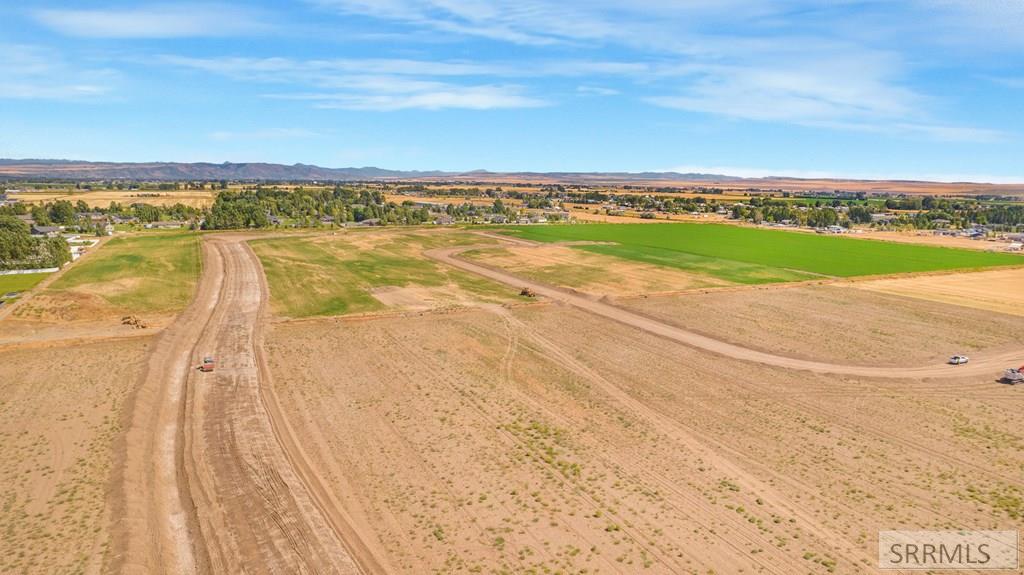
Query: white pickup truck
{"x": 1014, "y": 376}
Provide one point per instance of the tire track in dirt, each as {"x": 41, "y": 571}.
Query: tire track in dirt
{"x": 660, "y": 422}
{"x": 692, "y": 505}
{"x": 708, "y": 450}
{"x": 256, "y": 510}
{"x": 153, "y": 520}
{"x": 990, "y": 365}
{"x": 211, "y": 477}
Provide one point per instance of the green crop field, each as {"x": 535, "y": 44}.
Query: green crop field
{"x": 334, "y": 275}
{"x": 752, "y": 255}
{"x": 155, "y": 272}
{"x": 19, "y": 282}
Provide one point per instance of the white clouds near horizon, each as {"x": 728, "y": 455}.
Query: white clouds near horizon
{"x": 173, "y": 20}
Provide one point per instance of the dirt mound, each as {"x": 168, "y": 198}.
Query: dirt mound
{"x": 53, "y": 306}
{"x": 134, "y": 322}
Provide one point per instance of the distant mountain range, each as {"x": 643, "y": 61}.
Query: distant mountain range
{"x": 72, "y": 170}
{"x": 254, "y": 171}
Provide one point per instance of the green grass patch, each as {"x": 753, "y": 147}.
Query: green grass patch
{"x": 334, "y": 275}
{"x": 145, "y": 273}
{"x": 753, "y": 255}
{"x": 20, "y": 282}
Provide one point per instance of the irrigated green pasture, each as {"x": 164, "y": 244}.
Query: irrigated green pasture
{"x": 19, "y": 282}
{"x": 336, "y": 274}
{"x": 753, "y": 255}
{"x": 155, "y": 272}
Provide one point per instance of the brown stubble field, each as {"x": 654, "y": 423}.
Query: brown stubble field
{"x": 541, "y": 438}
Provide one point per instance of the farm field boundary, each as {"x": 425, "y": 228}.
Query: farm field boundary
{"x": 750, "y": 255}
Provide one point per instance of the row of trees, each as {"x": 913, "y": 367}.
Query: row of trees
{"x": 65, "y": 213}
{"x": 814, "y": 217}
{"x": 259, "y": 207}
{"x": 19, "y": 250}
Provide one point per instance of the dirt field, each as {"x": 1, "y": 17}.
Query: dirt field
{"x": 837, "y": 323}
{"x": 150, "y": 276}
{"x": 585, "y": 212}
{"x": 60, "y": 413}
{"x": 547, "y": 439}
{"x": 102, "y": 198}
{"x": 592, "y": 273}
{"x": 1000, "y": 290}
{"x": 928, "y": 238}
{"x": 721, "y": 430}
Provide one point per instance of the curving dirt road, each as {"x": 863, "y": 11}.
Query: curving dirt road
{"x": 990, "y": 366}
{"x": 214, "y": 481}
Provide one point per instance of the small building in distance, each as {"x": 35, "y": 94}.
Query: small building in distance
{"x": 170, "y": 225}
{"x": 46, "y": 231}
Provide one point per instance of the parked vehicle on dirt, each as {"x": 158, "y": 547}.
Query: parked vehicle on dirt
{"x": 958, "y": 360}
{"x": 208, "y": 364}
{"x": 1014, "y": 376}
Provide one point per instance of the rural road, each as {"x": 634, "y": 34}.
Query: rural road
{"x": 214, "y": 480}
{"x": 991, "y": 366}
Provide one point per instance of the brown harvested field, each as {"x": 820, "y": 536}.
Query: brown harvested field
{"x": 585, "y": 212}
{"x": 545, "y": 439}
{"x": 592, "y": 273}
{"x": 102, "y": 198}
{"x": 60, "y": 413}
{"x": 1000, "y": 290}
{"x": 836, "y": 322}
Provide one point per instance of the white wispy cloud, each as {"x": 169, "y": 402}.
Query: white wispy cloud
{"x": 40, "y": 73}
{"x": 420, "y": 95}
{"x": 784, "y": 61}
{"x": 155, "y": 21}
{"x": 374, "y": 84}
{"x": 596, "y": 90}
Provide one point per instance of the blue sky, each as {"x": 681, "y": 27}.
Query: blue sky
{"x": 930, "y": 89}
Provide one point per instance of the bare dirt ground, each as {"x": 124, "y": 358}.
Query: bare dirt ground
{"x": 548, "y": 439}
{"x": 930, "y": 239}
{"x": 213, "y": 480}
{"x": 60, "y": 412}
{"x": 838, "y": 322}
{"x": 102, "y": 198}
{"x": 998, "y": 290}
{"x": 592, "y": 273}
{"x": 585, "y": 212}
{"x": 581, "y": 434}
{"x": 990, "y": 362}
{"x": 71, "y": 316}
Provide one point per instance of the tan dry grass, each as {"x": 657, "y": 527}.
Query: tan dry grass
{"x": 998, "y": 290}
{"x": 589, "y": 272}
{"x": 836, "y": 323}
{"x": 102, "y": 198}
